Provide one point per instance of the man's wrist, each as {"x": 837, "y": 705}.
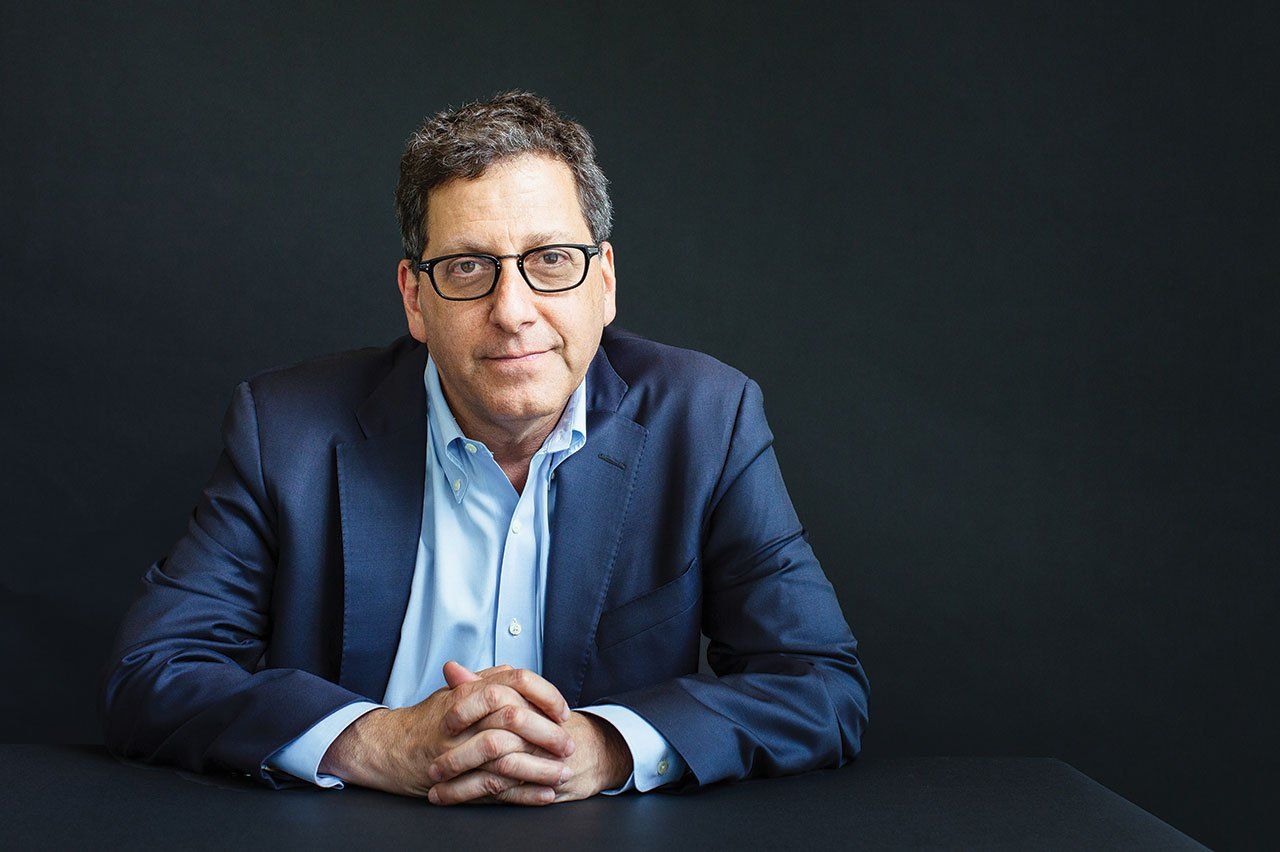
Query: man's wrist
{"x": 353, "y": 755}
{"x": 615, "y": 760}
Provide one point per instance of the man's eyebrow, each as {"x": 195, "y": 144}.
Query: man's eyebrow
{"x": 531, "y": 241}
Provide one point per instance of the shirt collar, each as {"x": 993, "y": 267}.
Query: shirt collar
{"x": 447, "y": 440}
{"x": 570, "y": 432}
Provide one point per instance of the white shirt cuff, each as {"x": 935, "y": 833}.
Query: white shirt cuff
{"x": 301, "y": 757}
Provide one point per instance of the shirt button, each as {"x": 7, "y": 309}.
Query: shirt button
{"x": 515, "y": 527}
{"x": 471, "y": 448}
{"x": 514, "y": 628}
{"x": 457, "y": 483}
{"x": 663, "y": 766}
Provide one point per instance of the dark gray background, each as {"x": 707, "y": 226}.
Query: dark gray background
{"x": 1005, "y": 274}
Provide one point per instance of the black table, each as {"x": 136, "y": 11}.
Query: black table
{"x": 60, "y": 797}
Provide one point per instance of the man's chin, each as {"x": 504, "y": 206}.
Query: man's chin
{"x": 523, "y": 403}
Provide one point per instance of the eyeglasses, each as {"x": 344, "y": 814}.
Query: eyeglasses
{"x": 546, "y": 269}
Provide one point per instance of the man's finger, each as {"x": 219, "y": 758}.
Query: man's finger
{"x": 531, "y": 686}
{"x": 468, "y": 787}
{"x": 486, "y": 697}
{"x": 483, "y": 747}
{"x": 541, "y": 692}
{"x": 527, "y": 794}
{"x": 456, "y": 674}
{"x": 480, "y": 784}
{"x": 530, "y": 769}
{"x": 530, "y": 724}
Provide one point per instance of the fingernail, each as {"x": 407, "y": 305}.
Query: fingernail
{"x": 565, "y": 774}
{"x": 547, "y": 794}
{"x": 569, "y": 747}
{"x": 565, "y": 715}
{"x": 433, "y": 796}
{"x": 434, "y": 772}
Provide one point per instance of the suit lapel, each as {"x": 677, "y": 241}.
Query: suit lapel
{"x": 380, "y": 481}
{"x": 593, "y": 492}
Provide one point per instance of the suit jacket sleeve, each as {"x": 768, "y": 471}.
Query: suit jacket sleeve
{"x": 789, "y": 692}
{"x": 181, "y": 685}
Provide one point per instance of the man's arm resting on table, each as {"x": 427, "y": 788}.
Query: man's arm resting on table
{"x": 181, "y": 685}
{"x": 789, "y": 693}
{"x": 301, "y": 757}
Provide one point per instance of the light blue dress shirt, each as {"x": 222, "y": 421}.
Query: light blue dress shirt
{"x": 478, "y": 588}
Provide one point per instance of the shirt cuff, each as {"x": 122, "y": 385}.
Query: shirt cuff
{"x": 301, "y": 757}
{"x": 654, "y": 761}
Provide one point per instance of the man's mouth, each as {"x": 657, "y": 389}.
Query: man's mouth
{"x": 519, "y": 358}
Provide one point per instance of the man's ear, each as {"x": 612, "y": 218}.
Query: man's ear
{"x": 411, "y": 281}
{"x": 609, "y": 275}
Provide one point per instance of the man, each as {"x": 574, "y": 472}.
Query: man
{"x": 475, "y": 565}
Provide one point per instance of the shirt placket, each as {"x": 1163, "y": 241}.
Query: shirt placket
{"x": 515, "y": 633}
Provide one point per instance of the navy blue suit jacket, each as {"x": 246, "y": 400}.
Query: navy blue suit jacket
{"x": 283, "y": 600}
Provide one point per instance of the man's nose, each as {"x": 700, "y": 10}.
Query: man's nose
{"x": 513, "y": 298}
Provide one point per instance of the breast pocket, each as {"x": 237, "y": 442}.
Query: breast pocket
{"x": 651, "y": 608}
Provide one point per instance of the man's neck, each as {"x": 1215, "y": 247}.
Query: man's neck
{"x": 512, "y": 445}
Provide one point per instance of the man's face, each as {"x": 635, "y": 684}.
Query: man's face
{"x": 516, "y": 204}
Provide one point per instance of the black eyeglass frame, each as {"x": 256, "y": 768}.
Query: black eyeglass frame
{"x": 428, "y": 266}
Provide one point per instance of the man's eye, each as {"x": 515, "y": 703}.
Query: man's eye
{"x": 464, "y": 266}
{"x": 551, "y": 257}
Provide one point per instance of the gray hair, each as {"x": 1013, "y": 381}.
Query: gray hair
{"x": 463, "y": 142}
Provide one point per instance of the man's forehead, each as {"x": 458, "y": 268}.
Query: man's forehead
{"x": 468, "y": 242}
{"x": 520, "y": 202}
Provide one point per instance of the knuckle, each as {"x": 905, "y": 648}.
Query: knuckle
{"x": 512, "y": 715}
{"x": 490, "y": 746}
{"x": 508, "y": 764}
{"x": 493, "y": 784}
{"x": 522, "y": 677}
{"x": 493, "y": 696}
